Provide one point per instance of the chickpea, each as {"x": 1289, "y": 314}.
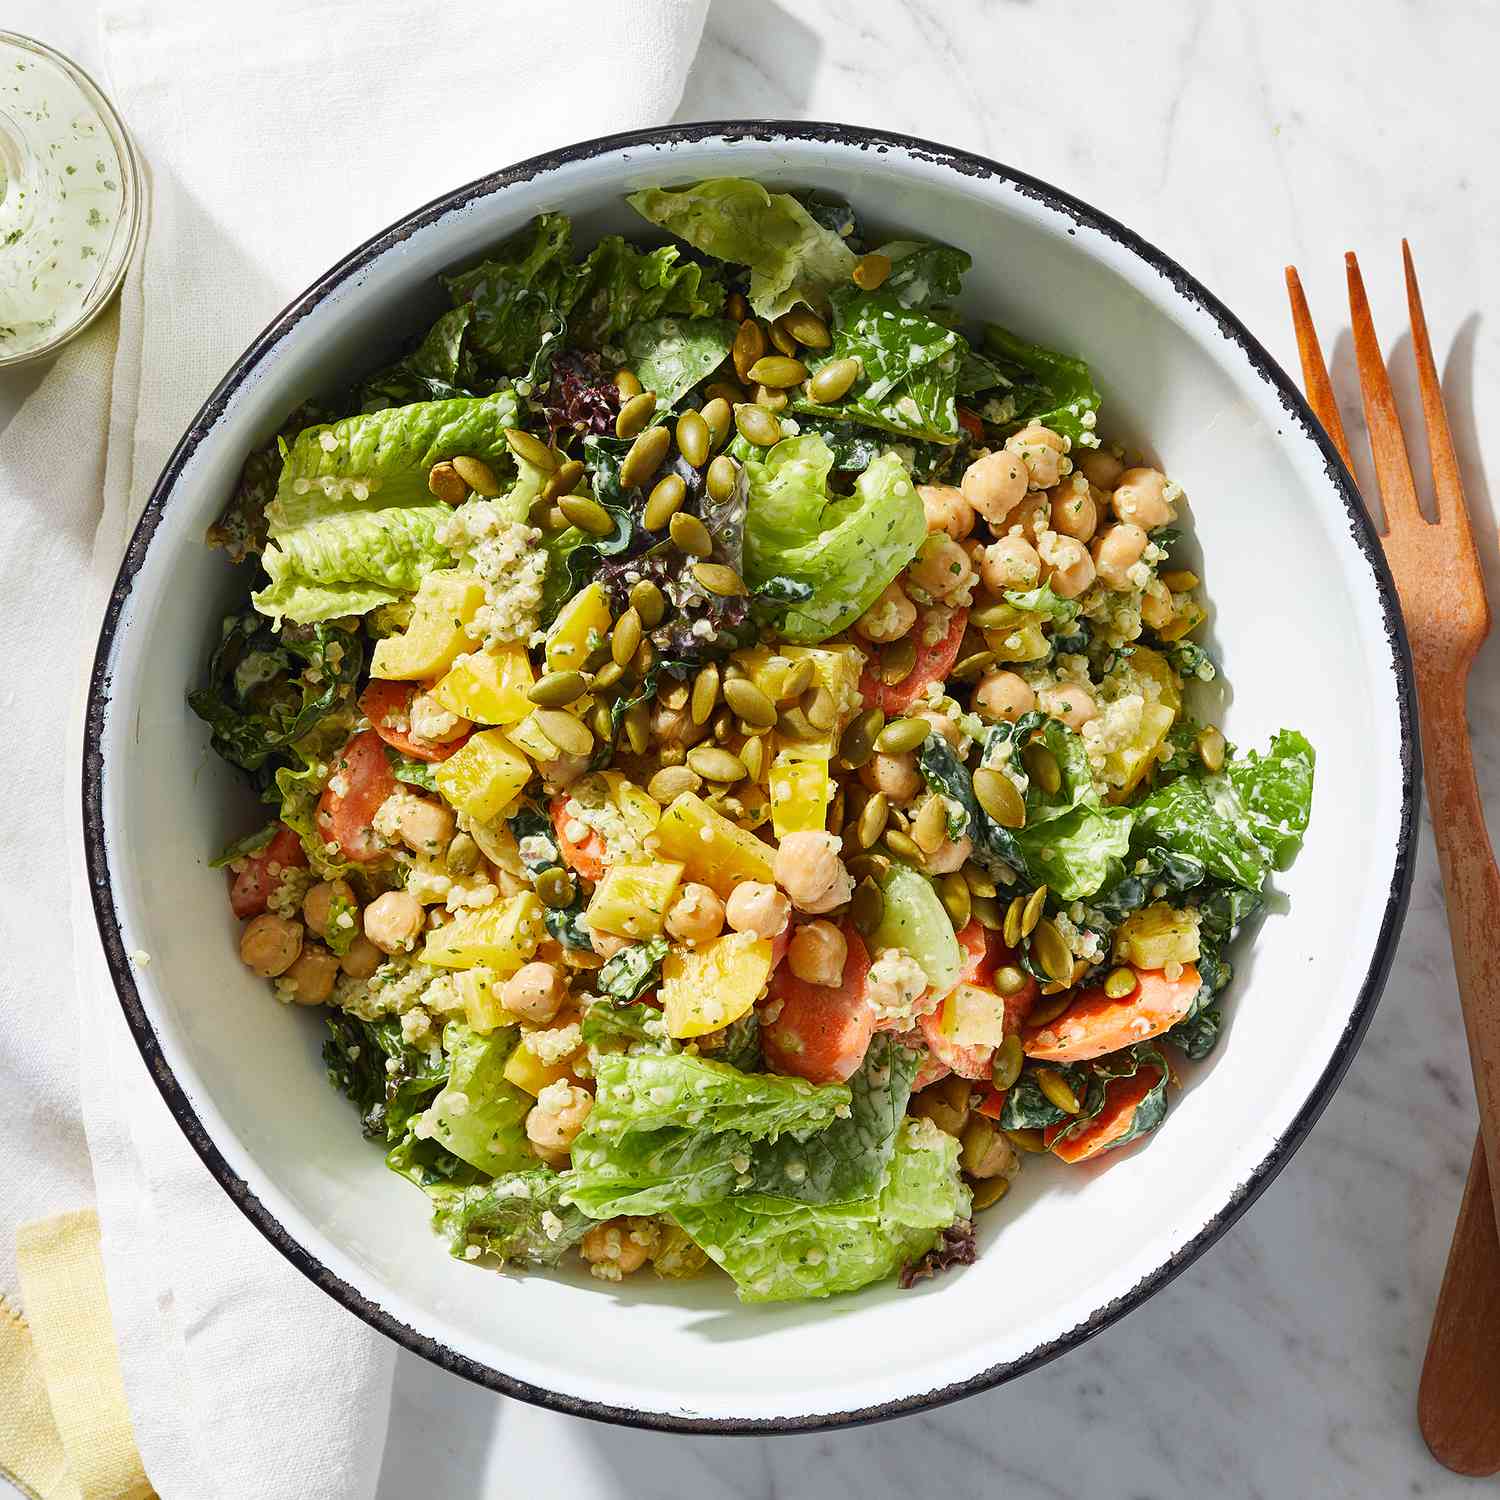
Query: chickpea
{"x": 1116, "y": 551}
{"x": 1156, "y": 606}
{"x": 620, "y": 1246}
{"x": 362, "y": 959}
{"x": 696, "y": 916}
{"x": 895, "y": 775}
{"x": 809, "y": 870}
{"x": 1010, "y": 563}
{"x": 426, "y": 825}
{"x": 950, "y": 855}
{"x": 607, "y": 944}
{"x": 1099, "y": 467}
{"x": 947, "y": 509}
{"x": 944, "y": 726}
{"x": 817, "y": 953}
{"x": 311, "y": 977}
{"x": 1066, "y": 564}
{"x": 1070, "y": 703}
{"x": 986, "y": 1152}
{"x": 1073, "y": 512}
{"x": 889, "y": 617}
{"x": 1032, "y": 517}
{"x": 993, "y": 485}
{"x": 942, "y": 568}
{"x": 756, "y": 907}
{"x": 392, "y": 921}
{"x": 535, "y": 992}
{"x": 1003, "y": 695}
{"x": 1043, "y": 452}
{"x": 1140, "y": 496}
{"x": 945, "y": 1103}
{"x": 318, "y": 903}
{"x": 557, "y": 1116}
{"x": 269, "y": 944}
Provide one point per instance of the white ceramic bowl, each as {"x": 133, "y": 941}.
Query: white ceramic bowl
{"x": 1306, "y": 626}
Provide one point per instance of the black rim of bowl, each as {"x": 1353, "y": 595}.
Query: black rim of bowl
{"x": 766, "y": 131}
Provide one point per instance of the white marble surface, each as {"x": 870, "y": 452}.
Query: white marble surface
{"x": 1237, "y": 137}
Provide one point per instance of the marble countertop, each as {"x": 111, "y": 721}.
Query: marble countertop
{"x": 1237, "y": 138}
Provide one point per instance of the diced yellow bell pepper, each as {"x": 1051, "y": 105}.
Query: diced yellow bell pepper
{"x": 1143, "y": 664}
{"x": 1156, "y": 936}
{"x": 1022, "y": 642}
{"x": 584, "y": 615}
{"x": 489, "y": 687}
{"x": 703, "y": 989}
{"x": 530, "y": 1074}
{"x": 444, "y": 606}
{"x": 1189, "y": 616}
{"x": 501, "y": 937}
{"x": 1148, "y": 673}
{"x": 973, "y": 1016}
{"x": 713, "y": 850}
{"x": 529, "y": 737}
{"x": 483, "y": 777}
{"x": 801, "y": 790}
{"x": 479, "y": 989}
{"x": 632, "y": 900}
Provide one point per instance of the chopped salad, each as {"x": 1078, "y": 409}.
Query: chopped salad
{"x": 733, "y": 790}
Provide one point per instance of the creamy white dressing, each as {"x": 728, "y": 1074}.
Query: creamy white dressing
{"x": 62, "y": 201}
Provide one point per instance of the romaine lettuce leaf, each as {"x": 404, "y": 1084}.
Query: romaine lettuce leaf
{"x": 440, "y": 368}
{"x": 812, "y": 1252}
{"x": 846, "y": 550}
{"x": 671, "y": 355}
{"x": 1042, "y": 386}
{"x": 519, "y": 1217}
{"x": 1275, "y": 793}
{"x": 478, "y": 1116}
{"x": 619, "y": 285}
{"x": 639, "y": 1025}
{"x": 651, "y": 1171}
{"x": 792, "y": 257}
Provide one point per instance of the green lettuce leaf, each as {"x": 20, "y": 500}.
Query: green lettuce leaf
{"x": 671, "y": 355}
{"x": 844, "y": 549}
{"x": 650, "y": 1171}
{"x": 1275, "y": 793}
{"x": 440, "y": 368}
{"x": 358, "y": 1055}
{"x": 619, "y": 285}
{"x": 924, "y": 273}
{"x": 520, "y": 1217}
{"x": 792, "y": 257}
{"x": 1039, "y": 385}
{"x": 1043, "y": 601}
{"x": 478, "y": 1116}
{"x": 605, "y": 1022}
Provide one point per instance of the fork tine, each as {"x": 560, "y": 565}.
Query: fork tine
{"x": 1398, "y": 490}
{"x": 1446, "y": 481}
{"x": 1315, "y": 379}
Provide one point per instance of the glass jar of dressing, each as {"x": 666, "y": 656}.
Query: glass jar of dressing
{"x": 70, "y": 200}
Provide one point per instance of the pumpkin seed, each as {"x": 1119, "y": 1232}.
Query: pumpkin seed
{"x": 834, "y": 820}
{"x": 718, "y": 418}
{"x": 978, "y": 881}
{"x": 1010, "y": 980}
{"x": 806, "y": 327}
{"x": 1026, "y": 1140}
{"x": 749, "y": 345}
{"x": 638, "y": 727}
{"x": 720, "y": 580}
{"x": 996, "y": 793}
{"x": 1031, "y": 913}
{"x": 443, "y": 481}
{"x": 778, "y": 371}
{"x": 1012, "y": 929}
{"x": 705, "y": 693}
{"x": 1041, "y": 766}
{"x": 714, "y": 764}
{"x": 986, "y": 1192}
{"x": 645, "y": 457}
{"x": 722, "y": 726}
{"x": 723, "y": 476}
{"x": 532, "y": 449}
{"x": 665, "y": 501}
{"x": 567, "y": 733}
{"x": 736, "y": 307}
{"x": 693, "y": 438}
{"x": 986, "y": 911}
{"x": 1049, "y": 1009}
{"x": 750, "y": 703}
{"x": 674, "y": 696}
{"x": 896, "y": 661}
{"x": 870, "y": 271}
{"x": 1211, "y": 748}
{"x": 608, "y": 675}
{"x": 477, "y": 475}
{"x": 903, "y": 846}
{"x": 794, "y": 723}
{"x": 625, "y": 638}
{"x": 626, "y": 384}
{"x": 1055, "y": 1087}
{"x": 822, "y": 712}
{"x": 1005, "y": 1065}
{"x": 757, "y": 425}
{"x": 726, "y": 391}
{"x": 930, "y": 828}
{"x": 869, "y": 866}
{"x": 690, "y": 535}
{"x": 858, "y": 743}
{"x": 587, "y": 514}
{"x": 902, "y": 735}
{"x": 602, "y": 722}
{"x": 462, "y": 857}
{"x": 671, "y": 782}
{"x": 970, "y": 667}
{"x": 635, "y": 413}
{"x": 867, "y": 907}
{"x": 671, "y": 755}
{"x": 644, "y": 659}
{"x": 954, "y": 894}
{"x": 1119, "y": 983}
{"x": 797, "y": 679}
{"x": 558, "y": 689}
{"x": 554, "y": 888}
{"x": 564, "y": 480}
{"x": 771, "y": 399}
{"x": 753, "y": 753}
{"x": 781, "y": 340}
{"x": 556, "y": 520}
{"x": 1051, "y": 951}
{"x": 648, "y": 602}
{"x": 833, "y": 380}
{"x": 872, "y": 821}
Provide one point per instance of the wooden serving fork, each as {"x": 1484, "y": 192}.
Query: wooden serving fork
{"x": 1438, "y": 577}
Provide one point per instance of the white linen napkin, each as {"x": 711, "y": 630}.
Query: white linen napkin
{"x": 276, "y": 137}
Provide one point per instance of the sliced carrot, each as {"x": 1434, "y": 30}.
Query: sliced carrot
{"x": 1094, "y": 1024}
{"x": 992, "y": 1102}
{"x": 978, "y": 965}
{"x": 360, "y": 780}
{"x": 387, "y": 705}
{"x": 1122, "y": 1097}
{"x": 587, "y": 854}
{"x": 967, "y": 1062}
{"x": 250, "y": 888}
{"x": 932, "y": 665}
{"x": 821, "y": 1032}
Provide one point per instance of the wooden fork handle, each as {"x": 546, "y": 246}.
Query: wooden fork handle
{"x": 1456, "y": 1405}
